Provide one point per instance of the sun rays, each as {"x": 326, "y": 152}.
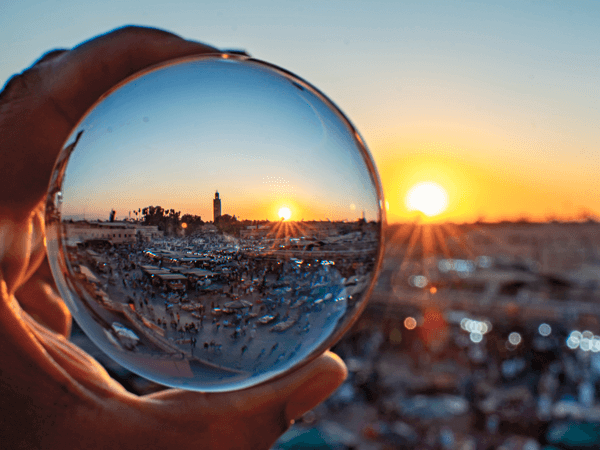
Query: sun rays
{"x": 420, "y": 246}
{"x": 284, "y": 232}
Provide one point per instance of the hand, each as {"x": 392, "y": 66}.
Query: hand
{"x": 52, "y": 394}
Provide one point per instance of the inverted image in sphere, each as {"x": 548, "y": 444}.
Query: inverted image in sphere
{"x": 214, "y": 222}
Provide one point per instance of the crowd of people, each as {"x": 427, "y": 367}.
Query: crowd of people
{"x": 238, "y": 305}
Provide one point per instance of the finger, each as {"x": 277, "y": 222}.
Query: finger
{"x": 15, "y": 246}
{"x": 39, "y": 298}
{"x": 317, "y": 387}
{"x": 50, "y": 55}
{"x": 39, "y": 107}
{"x": 79, "y": 372}
{"x": 97, "y": 65}
{"x": 21, "y": 248}
{"x": 251, "y": 418}
{"x": 37, "y": 245}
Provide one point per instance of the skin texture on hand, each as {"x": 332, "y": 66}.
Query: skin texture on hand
{"x": 52, "y": 394}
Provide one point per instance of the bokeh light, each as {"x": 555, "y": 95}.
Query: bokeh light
{"x": 410, "y": 323}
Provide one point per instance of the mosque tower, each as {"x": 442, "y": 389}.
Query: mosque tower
{"x": 216, "y": 206}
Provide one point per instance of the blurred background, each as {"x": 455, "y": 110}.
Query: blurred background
{"x": 483, "y": 119}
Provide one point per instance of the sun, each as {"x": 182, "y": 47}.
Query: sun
{"x": 285, "y": 213}
{"x": 428, "y": 197}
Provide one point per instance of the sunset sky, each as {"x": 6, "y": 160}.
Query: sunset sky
{"x": 498, "y": 104}
{"x": 176, "y": 135}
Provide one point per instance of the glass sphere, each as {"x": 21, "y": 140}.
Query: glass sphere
{"x": 214, "y": 222}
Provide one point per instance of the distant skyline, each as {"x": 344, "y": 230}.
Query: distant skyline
{"x": 497, "y": 102}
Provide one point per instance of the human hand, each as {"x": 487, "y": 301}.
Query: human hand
{"x": 52, "y": 394}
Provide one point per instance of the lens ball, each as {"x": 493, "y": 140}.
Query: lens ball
{"x": 214, "y": 222}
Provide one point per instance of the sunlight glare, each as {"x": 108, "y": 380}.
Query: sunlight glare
{"x": 285, "y": 213}
{"x": 428, "y": 197}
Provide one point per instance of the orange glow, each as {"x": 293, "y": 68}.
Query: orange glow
{"x": 184, "y": 225}
{"x": 482, "y": 182}
{"x": 434, "y": 332}
{"x": 433, "y": 290}
{"x": 401, "y": 174}
{"x": 427, "y": 197}
{"x": 410, "y": 323}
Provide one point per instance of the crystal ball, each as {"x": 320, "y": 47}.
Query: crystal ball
{"x": 214, "y": 222}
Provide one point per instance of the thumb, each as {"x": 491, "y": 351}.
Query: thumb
{"x": 323, "y": 378}
{"x": 252, "y": 418}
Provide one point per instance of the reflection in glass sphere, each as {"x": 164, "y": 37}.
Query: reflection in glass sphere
{"x": 214, "y": 222}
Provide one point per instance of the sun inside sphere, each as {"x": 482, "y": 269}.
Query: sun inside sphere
{"x": 429, "y": 198}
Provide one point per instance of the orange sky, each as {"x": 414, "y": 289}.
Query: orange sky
{"x": 488, "y": 184}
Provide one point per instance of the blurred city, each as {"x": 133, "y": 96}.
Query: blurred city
{"x": 477, "y": 336}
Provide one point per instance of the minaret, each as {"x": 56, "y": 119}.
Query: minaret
{"x": 217, "y": 206}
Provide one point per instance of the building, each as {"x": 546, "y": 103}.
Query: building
{"x": 216, "y": 206}
{"x": 81, "y": 232}
{"x": 120, "y": 232}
